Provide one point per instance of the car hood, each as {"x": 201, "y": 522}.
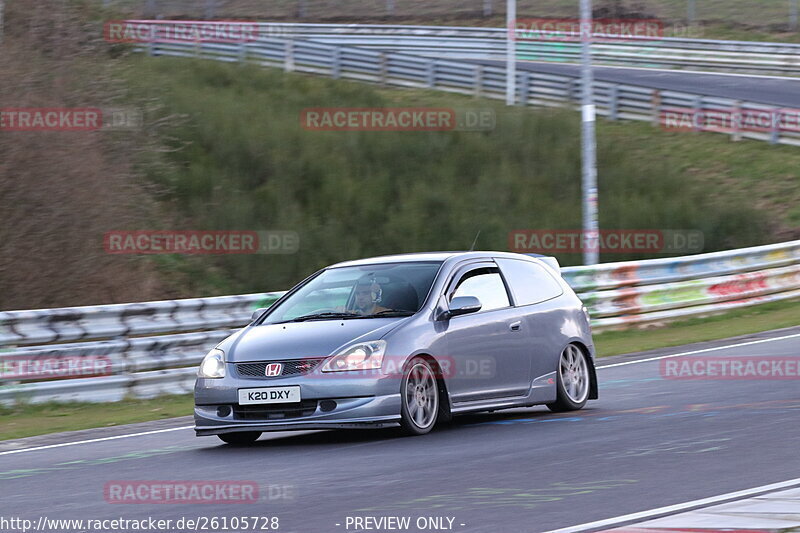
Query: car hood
{"x": 301, "y": 340}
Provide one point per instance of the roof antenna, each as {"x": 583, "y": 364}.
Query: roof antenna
{"x": 472, "y": 248}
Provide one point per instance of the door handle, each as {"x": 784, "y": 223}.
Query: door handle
{"x": 515, "y": 326}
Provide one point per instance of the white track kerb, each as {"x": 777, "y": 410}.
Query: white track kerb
{"x": 147, "y": 349}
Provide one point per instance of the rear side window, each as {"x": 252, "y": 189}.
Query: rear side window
{"x": 530, "y": 283}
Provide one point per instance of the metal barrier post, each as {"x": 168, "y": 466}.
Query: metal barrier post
{"x": 613, "y": 102}
{"x": 656, "y": 105}
{"x": 525, "y": 89}
{"x": 697, "y": 112}
{"x": 775, "y": 129}
{"x": 478, "y": 81}
{"x": 431, "y": 73}
{"x": 384, "y": 74}
{"x": 288, "y": 65}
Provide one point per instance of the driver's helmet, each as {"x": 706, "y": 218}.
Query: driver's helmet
{"x": 368, "y": 282}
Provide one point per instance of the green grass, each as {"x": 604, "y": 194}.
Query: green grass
{"x": 744, "y": 321}
{"x": 241, "y": 160}
{"x": 25, "y": 420}
{"x": 28, "y": 420}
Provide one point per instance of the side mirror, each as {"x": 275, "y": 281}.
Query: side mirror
{"x": 463, "y": 305}
{"x": 257, "y": 313}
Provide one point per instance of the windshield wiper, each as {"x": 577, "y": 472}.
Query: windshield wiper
{"x": 323, "y": 316}
{"x": 392, "y": 313}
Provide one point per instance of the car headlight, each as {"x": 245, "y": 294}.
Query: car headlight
{"x": 359, "y": 356}
{"x": 213, "y": 365}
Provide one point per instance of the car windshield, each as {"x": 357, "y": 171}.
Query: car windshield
{"x": 353, "y": 292}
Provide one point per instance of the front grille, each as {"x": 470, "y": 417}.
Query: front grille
{"x": 277, "y": 411}
{"x": 295, "y": 367}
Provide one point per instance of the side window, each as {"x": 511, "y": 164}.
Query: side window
{"x": 486, "y": 285}
{"x": 530, "y": 283}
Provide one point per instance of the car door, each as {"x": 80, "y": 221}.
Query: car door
{"x": 485, "y": 347}
{"x": 536, "y": 295}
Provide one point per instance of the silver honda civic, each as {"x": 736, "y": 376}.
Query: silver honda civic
{"x": 404, "y": 340}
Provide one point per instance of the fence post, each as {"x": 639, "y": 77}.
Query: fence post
{"x": 525, "y": 90}
{"x": 487, "y": 8}
{"x": 613, "y": 102}
{"x": 697, "y": 113}
{"x": 336, "y": 67}
{"x": 691, "y": 12}
{"x": 775, "y": 129}
{"x": 242, "y": 52}
{"x": 2, "y": 9}
{"x": 384, "y": 71}
{"x": 288, "y": 63}
{"x": 431, "y": 73}
{"x": 390, "y": 7}
{"x": 301, "y": 9}
{"x": 655, "y": 118}
{"x": 478, "y": 81}
{"x": 793, "y": 12}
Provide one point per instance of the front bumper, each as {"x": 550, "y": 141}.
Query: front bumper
{"x": 335, "y": 400}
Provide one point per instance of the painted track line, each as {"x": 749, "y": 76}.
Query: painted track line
{"x": 672, "y": 509}
{"x": 89, "y": 441}
{"x": 669, "y": 356}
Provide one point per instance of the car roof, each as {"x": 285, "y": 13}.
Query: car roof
{"x": 432, "y": 256}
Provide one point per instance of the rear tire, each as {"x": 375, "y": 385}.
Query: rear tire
{"x": 573, "y": 380}
{"x": 241, "y": 438}
{"x": 419, "y": 398}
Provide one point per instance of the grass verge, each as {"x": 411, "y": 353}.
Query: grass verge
{"x": 29, "y": 420}
{"x": 765, "y": 317}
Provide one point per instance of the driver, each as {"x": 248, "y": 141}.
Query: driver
{"x": 367, "y": 297}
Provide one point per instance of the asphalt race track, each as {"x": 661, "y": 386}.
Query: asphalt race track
{"x": 777, "y": 91}
{"x": 648, "y": 442}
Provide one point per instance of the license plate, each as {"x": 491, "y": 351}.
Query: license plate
{"x": 269, "y": 395}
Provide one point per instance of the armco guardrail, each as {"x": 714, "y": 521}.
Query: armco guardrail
{"x": 612, "y": 100}
{"x": 455, "y": 42}
{"x": 152, "y": 348}
{"x": 489, "y": 43}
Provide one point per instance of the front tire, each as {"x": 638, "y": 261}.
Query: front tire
{"x": 241, "y": 438}
{"x": 573, "y": 380}
{"x": 419, "y": 398}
